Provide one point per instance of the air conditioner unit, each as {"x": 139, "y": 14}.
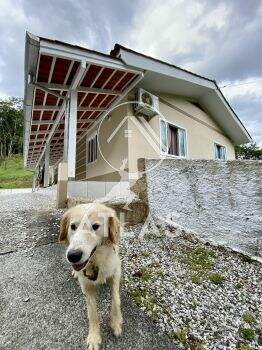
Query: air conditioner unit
{"x": 147, "y": 103}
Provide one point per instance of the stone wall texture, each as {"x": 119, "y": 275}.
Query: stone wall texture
{"x": 220, "y": 201}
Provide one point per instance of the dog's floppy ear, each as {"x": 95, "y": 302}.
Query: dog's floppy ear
{"x": 64, "y": 223}
{"x": 114, "y": 229}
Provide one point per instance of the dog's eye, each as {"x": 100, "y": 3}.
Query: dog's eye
{"x": 73, "y": 227}
{"x": 95, "y": 227}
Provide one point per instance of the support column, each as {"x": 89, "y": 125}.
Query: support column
{"x": 34, "y": 182}
{"x": 61, "y": 199}
{"x": 66, "y": 127}
{"x": 46, "y": 174}
{"x": 72, "y": 128}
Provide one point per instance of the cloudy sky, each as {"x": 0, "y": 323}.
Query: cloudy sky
{"x": 218, "y": 39}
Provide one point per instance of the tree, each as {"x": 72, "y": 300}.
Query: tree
{"x": 248, "y": 151}
{"x": 11, "y": 126}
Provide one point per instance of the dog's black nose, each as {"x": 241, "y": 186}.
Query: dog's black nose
{"x": 74, "y": 255}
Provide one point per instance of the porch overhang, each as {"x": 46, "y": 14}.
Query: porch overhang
{"x": 52, "y": 71}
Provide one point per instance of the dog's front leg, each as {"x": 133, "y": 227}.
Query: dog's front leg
{"x": 94, "y": 338}
{"x": 116, "y": 319}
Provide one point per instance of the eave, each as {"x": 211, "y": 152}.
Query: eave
{"x": 165, "y": 78}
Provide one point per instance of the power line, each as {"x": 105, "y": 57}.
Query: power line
{"x": 250, "y": 82}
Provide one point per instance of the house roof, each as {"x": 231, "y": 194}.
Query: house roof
{"x": 53, "y": 68}
{"x": 116, "y": 52}
{"x": 170, "y": 79}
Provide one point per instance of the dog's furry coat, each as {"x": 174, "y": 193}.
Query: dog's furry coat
{"x": 100, "y": 258}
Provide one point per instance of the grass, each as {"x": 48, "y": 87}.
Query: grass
{"x": 199, "y": 258}
{"x": 194, "y": 305}
{"x": 239, "y": 285}
{"x": 199, "y": 261}
{"x": 242, "y": 346}
{"x": 247, "y": 259}
{"x": 216, "y": 278}
{"x": 142, "y": 298}
{"x": 196, "y": 278}
{"x": 247, "y": 333}
{"x": 138, "y": 295}
{"x": 196, "y": 345}
{"x": 145, "y": 254}
{"x": 249, "y": 318}
{"x": 146, "y": 274}
{"x": 180, "y": 335}
{"x": 12, "y": 173}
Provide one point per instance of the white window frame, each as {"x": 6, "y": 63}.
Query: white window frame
{"x": 219, "y": 144}
{"x": 88, "y": 139}
{"x": 166, "y": 154}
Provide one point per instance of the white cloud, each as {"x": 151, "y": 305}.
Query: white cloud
{"x": 255, "y": 128}
{"x": 246, "y": 97}
{"x": 204, "y": 37}
{"x": 14, "y": 10}
{"x": 173, "y": 29}
{"x": 243, "y": 88}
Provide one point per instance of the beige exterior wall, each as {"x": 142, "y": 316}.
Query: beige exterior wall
{"x": 138, "y": 146}
{"x": 201, "y": 133}
{"x": 201, "y": 129}
{"x": 114, "y": 151}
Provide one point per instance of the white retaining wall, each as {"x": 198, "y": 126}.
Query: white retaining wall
{"x": 97, "y": 189}
{"x": 221, "y": 201}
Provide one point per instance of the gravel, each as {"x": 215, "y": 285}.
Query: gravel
{"x": 30, "y": 218}
{"x": 203, "y": 296}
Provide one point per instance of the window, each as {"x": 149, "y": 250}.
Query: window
{"x": 92, "y": 149}
{"x": 220, "y": 152}
{"x": 173, "y": 139}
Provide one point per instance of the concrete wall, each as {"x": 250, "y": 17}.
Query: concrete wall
{"x": 221, "y": 201}
{"x": 97, "y": 189}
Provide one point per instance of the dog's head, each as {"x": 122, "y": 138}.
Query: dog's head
{"x": 84, "y": 227}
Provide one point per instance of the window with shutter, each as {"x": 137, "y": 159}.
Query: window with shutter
{"x": 173, "y": 139}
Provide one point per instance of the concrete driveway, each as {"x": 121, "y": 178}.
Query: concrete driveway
{"x": 41, "y": 305}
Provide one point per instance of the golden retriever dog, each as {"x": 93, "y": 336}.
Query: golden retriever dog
{"x": 92, "y": 232}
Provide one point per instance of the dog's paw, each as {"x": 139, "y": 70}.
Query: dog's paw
{"x": 93, "y": 341}
{"x": 116, "y": 326}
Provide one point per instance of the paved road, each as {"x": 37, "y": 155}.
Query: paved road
{"x": 41, "y": 306}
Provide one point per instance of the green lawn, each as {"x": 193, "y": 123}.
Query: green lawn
{"x": 13, "y": 174}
